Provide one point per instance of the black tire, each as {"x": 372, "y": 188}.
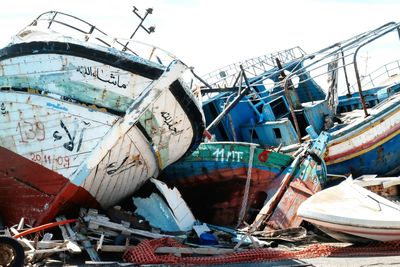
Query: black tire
{"x": 13, "y": 246}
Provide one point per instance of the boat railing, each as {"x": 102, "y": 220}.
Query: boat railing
{"x": 341, "y": 57}
{"x": 71, "y": 26}
{"x": 228, "y": 76}
{"x": 379, "y": 76}
{"x": 337, "y": 58}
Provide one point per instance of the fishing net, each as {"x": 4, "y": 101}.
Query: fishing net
{"x": 145, "y": 253}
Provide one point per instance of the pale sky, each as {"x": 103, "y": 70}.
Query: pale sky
{"x": 209, "y": 34}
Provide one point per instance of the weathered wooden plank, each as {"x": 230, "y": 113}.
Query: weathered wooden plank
{"x": 120, "y": 227}
{"x": 112, "y": 248}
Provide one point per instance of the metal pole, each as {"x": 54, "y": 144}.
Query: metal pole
{"x": 150, "y": 30}
{"x": 232, "y": 104}
{"x": 296, "y": 124}
{"x": 288, "y": 98}
{"x": 356, "y": 66}
{"x": 52, "y": 19}
{"x": 200, "y": 79}
{"x": 345, "y": 73}
{"x": 364, "y": 106}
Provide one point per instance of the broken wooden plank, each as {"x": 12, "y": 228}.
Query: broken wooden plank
{"x": 21, "y": 224}
{"x": 73, "y": 247}
{"x": 14, "y": 231}
{"x": 27, "y": 243}
{"x": 48, "y": 244}
{"x": 64, "y": 232}
{"x": 112, "y": 248}
{"x": 88, "y": 247}
{"x": 69, "y": 236}
{"x": 182, "y": 214}
{"x": 45, "y": 251}
{"x": 117, "y": 214}
{"x": 100, "y": 243}
{"x": 119, "y": 227}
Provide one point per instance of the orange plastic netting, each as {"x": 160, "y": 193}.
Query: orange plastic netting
{"x": 144, "y": 253}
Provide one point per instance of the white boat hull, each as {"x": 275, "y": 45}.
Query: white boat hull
{"x": 84, "y": 122}
{"x": 61, "y": 137}
{"x": 351, "y": 209}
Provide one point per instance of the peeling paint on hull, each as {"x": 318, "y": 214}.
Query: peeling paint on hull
{"x": 305, "y": 176}
{"x": 383, "y": 160}
{"x": 51, "y": 85}
{"x": 369, "y": 146}
{"x": 213, "y": 179}
{"x": 32, "y": 191}
{"x": 58, "y": 138}
{"x": 222, "y": 193}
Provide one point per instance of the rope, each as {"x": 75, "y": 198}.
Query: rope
{"x": 247, "y": 187}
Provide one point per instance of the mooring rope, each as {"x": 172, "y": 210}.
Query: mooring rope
{"x": 247, "y": 186}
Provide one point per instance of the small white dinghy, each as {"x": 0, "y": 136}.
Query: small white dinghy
{"x": 357, "y": 210}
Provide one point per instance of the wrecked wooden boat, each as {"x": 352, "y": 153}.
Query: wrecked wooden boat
{"x": 305, "y": 176}
{"x": 363, "y": 145}
{"x": 228, "y": 183}
{"x": 299, "y": 91}
{"x": 361, "y": 210}
{"x": 63, "y": 55}
{"x": 84, "y": 123}
{"x": 218, "y": 178}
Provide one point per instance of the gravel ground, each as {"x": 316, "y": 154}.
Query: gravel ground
{"x": 81, "y": 260}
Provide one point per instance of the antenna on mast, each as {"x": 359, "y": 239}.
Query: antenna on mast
{"x": 142, "y": 19}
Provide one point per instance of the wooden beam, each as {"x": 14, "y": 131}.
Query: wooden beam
{"x": 119, "y": 227}
{"x": 112, "y": 248}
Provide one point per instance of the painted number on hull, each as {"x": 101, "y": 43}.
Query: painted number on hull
{"x": 233, "y": 156}
{"x": 30, "y": 131}
{"x": 45, "y": 159}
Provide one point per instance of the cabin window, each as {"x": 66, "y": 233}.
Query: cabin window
{"x": 277, "y": 132}
{"x": 371, "y": 103}
{"x": 301, "y": 121}
{"x": 279, "y": 107}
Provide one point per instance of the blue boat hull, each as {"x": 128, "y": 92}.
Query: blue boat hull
{"x": 382, "y": 160}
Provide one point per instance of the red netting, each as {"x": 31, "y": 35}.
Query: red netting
{"x": 144, "y": 253}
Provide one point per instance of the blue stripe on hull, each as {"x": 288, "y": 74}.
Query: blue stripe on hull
{"x": 383, "y": 160}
